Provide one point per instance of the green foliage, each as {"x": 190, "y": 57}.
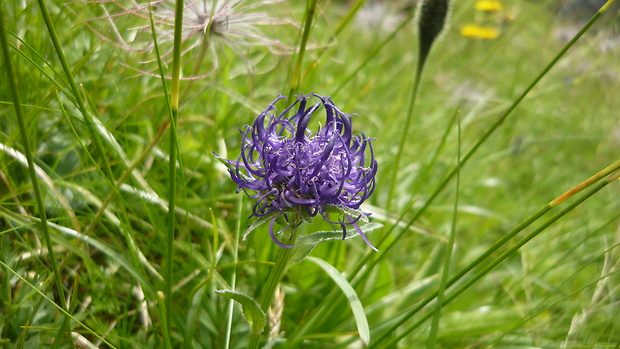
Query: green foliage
{"x": 98, "y": 134}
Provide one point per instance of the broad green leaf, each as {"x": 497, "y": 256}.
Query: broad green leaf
{"x": 251, "y": 309}
{"x": 352, "y": 298}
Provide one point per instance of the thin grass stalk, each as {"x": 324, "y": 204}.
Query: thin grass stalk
{"x": 275, "y": 276}
{"x": 233, "y": 281}
{"x": 376, "y": 51}
{"x": 432, "y": 338}
{"x": 127, "y": 172}
{"x": 504, "y": 256}
{"x": 404, "y": 136}
{"x": 172, "y": 179}
{"x": 61, "y": 87}
{"x": 75, "y": 90}
{"x": 33, "y": 176}
{"x": 341, "y": 26}
{"x": 426, "y": 168}
{"x": 164, "y": 309}
{"x": 296, "y": 77}
{"x": 161, "y": 302}
{"x": 431, "y": 21}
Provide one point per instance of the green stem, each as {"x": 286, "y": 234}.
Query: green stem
{"x": 161, "y": 301}
{"x": 233, "y": 281}
{"x": 296, "y": 78}
{"x": 404, "y": 135}
{"x": 284, "y": 256}
{"x": 76, "y": 92}
{"x": 432, "y": 338}
{"x": 31, "y": 168}
{"x": 172, "y": 180}
{"x": 376, "y": 51}
{"x": 331, "y": 45}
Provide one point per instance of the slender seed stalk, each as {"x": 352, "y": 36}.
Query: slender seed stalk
{"x": 275, "y": 276}
{"x": 431, "y": 23}
{"x": 165, "y": 299}
{"x": 404, "y": 136}
{"x": 13, "y": 88}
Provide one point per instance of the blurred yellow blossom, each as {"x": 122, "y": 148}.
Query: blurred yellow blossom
{"x": 478, "y": 32}
{"x": 488, "y": 5}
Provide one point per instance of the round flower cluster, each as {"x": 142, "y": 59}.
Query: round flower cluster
{"x": 295, "y": 171}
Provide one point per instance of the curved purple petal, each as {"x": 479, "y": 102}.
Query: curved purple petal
{"x": 274, "y": 237}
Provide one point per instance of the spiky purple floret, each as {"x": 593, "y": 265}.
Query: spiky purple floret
{"x": 292, "y": 169}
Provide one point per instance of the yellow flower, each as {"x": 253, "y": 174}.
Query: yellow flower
{"x": 478, "y": 32}
{"x": 488, "y": 5}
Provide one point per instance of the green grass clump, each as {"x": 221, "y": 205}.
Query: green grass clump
{"x": 94, "y": 254}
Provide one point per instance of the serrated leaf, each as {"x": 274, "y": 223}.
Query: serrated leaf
{"x": 354, "y": 301}
{"x": 251, "y": 309}
{"x": 305, "y": 244}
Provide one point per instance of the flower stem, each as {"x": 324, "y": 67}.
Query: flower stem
{"x": 284, "y": 256}
{"x": 174, "y": 107}
{"x": 296, "y": 78}
{"x": 233, "y": 281}
{"x": 404, "y": 135}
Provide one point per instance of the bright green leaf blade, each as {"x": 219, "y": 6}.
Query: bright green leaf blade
{"x": 251, "y": 309}
{"x": 349, "y": 292}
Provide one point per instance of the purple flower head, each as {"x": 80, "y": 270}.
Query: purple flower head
{"x": 297, "y": 172}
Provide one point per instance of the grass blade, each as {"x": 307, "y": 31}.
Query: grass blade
{"x": 31, "y": 167}
{"x": 349, "y": 292}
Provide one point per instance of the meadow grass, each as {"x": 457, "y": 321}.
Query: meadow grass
{"x": 498, "y": 252}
